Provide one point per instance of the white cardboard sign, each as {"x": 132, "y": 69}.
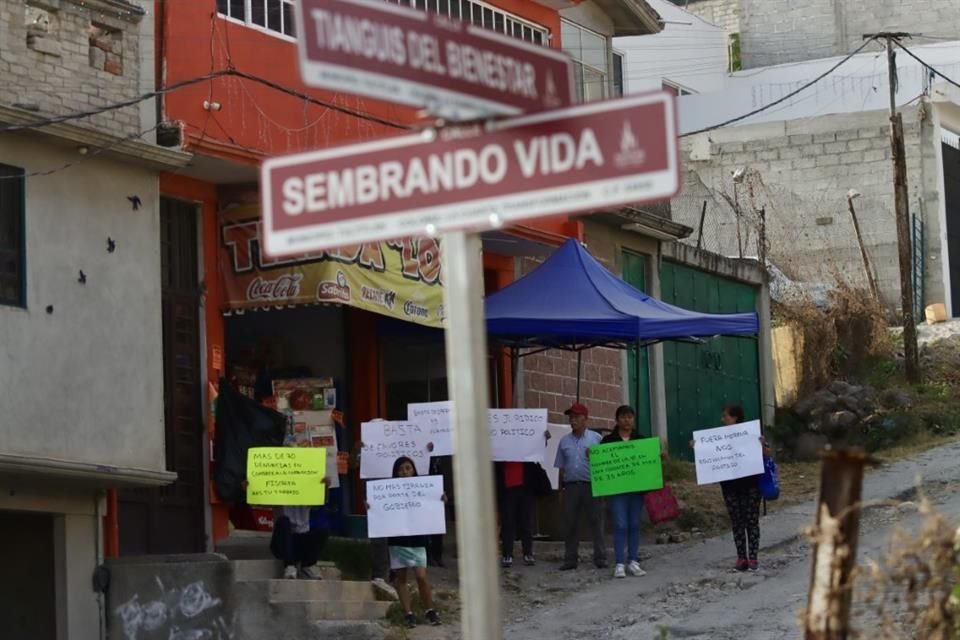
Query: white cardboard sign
{"x": 405, "y": 507}
{"x": 516, "y": 435}
{"x": 728, "y": 453}
{"x": 557, "y": 431}
{"x": 384, "y": 442}
{"x": 436, "y": 417}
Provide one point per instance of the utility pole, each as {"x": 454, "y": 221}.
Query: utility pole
{"x": 902, "y": 208}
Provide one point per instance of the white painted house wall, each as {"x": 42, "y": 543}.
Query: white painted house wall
{"x": 690, "y": 52}
{"x": 85, "y": 383}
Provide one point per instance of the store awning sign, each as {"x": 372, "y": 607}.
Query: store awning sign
{"x": 450, "y": 67}
{"x": 573, "y": 160}
{"x": 401, "y": 279}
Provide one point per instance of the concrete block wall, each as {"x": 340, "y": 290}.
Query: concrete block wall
{"x": 67, "y": 56}
{"x": 781, "y": 31}
{"x": 799, "y": 174}
{"x": 723, "y": 13}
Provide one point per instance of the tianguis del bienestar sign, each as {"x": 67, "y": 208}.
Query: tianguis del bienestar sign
{"x": 583, "y": 158}
{"x": 449, "y": 67}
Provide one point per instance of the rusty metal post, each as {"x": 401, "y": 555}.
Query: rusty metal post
{"x": 867, "y": 268}
{"x": 835, "y": 544}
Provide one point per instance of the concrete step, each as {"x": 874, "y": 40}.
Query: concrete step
{"x": 319, "y": 591}
{"x": 345, "y": 610}
{"x": 251, "y": 570}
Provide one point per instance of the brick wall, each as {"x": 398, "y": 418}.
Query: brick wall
{"x": 65, "y": 56}
{"x": 780, "y": 31}
{"x": 800, "y": 173}
{"x": 550, "y": 379}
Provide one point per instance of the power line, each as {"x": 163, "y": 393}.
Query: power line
{"x": 929, "y": 67}
{"x": 784, "y": 98}
{"x": 37, "y": 124}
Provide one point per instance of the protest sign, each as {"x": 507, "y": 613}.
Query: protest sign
{"x": 405, "y": 507}
{"x": 436, "y": 416}
{"x": 384, "y": 442}
{"x": 728, "y": 453}
{"x": 624, "y": 467}
{"x": 286, "y": 476}
{"x": 557, "y": 431}
{"x": 516, "y": 435}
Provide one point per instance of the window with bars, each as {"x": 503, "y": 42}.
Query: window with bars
{"x": 590, "y": 53}
{"x": 482, "y": 15}
{"x": 276, "y": 16}
{"x": 12, "y": 244}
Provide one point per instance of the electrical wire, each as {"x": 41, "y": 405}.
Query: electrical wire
{"x": 37, "y": 124}
{"x": 784, "y": 98}
{"x": 88, "y": 156}
{"x": 929, "y": 67}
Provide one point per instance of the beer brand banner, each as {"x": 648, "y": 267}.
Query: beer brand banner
{"x": 400, "y": 279}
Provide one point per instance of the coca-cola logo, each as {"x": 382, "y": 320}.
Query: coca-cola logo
{"x": 379, "y": 297}
{"x": 338, "y": 291}
{"x": 285, "y": 287}
{"x": 414, "y": 309}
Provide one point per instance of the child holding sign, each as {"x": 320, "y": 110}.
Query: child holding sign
{"x": 410, "y": 552}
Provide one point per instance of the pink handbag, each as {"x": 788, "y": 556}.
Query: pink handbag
{"x": 661, "y": 505}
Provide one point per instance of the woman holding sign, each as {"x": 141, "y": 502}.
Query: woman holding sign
{"x": 625, "y": 508}
{"x": 742, "y": 497}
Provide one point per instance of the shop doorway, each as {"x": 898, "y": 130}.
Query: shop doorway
{"x": 27, "y": 591}
{"x": 951, "y": 185}
{"x": 171, "y": 519}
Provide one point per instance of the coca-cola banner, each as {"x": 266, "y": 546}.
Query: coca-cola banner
{"x": 401, "y": 279}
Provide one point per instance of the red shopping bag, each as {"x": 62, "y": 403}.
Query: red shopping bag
{"x": 662, "y": 505}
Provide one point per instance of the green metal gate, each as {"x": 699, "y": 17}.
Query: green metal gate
{"x": 635, "y": 274}
{"x": 701, "y": 378}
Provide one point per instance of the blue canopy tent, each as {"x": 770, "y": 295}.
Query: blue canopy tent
{"x": 573, "y": 302}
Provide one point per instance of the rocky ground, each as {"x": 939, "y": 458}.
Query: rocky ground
{"x": 690, "y": 590}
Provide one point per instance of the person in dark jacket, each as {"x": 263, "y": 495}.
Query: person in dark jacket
{"x": 625, "y": 508}
{"x": 518, "y": 485}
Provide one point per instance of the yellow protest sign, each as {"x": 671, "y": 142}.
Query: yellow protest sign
{"x": 286, "y": 476}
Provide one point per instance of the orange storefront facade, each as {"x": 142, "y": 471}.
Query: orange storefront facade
{"x": 230, "y": 124}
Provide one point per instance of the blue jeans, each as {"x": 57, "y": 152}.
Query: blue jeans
{"x": 625, "y": 509}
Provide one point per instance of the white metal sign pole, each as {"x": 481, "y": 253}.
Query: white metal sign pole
{"x": 466, "y": 342}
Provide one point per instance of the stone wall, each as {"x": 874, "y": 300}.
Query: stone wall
{"x": 67, "y": 56}
{"x": 799, "y": 174}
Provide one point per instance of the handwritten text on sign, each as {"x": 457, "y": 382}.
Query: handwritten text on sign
{"x": 405, "y": 507}
{"x": 517, "y": 435}
{"x": 727, "y": 453}
{"x": 384, "y": 442}
{"x": 436, "y": 417}
{"x": 286, "y": 476}
{"x": 625, "y": 467}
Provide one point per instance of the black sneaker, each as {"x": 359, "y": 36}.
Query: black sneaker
{"x": 568, "y": 566}
{"x": 529, "y": 560}
{"x": 506, "y": 562}
{"x": 433, "y": 617}
{"x": 410, "y": 620}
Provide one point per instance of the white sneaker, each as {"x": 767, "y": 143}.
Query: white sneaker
{"x": 618, "y": 572}
{"x": 635, "y": 569}
{"x": 290, "y": 572}
{"x": 383, "y": 588}
{"x": 311, "y": 572}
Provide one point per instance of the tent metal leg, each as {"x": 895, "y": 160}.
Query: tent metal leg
{"x": 579, "y": 365}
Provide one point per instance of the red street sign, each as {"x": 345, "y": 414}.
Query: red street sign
{"x": 584, "y": 158}
{"x": 452, "y": 68}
